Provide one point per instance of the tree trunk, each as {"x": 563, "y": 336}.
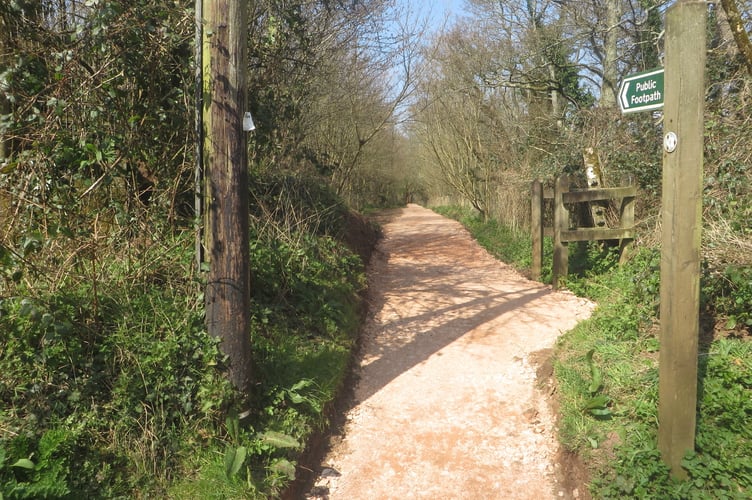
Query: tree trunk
{"x": 555, "y": 100}
{"x": 225, "y": 161}
{"x": 5, "y": 109}
{"x": 609, "y": 86}
{"x": 737, "y": 29}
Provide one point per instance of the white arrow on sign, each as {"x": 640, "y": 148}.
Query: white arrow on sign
{"x": 623, "y": 95}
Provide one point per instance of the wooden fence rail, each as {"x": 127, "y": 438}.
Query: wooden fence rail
{"x": 562, "y": 231}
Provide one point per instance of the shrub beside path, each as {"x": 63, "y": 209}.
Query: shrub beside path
{"x": 446, "y": 403}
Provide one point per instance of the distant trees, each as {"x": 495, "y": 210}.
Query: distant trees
{"x": 327, "y": 81}
{"x": 503, "y": 87}
{"x": 459, "y": 120}
{"x": 518, "y": 90}
{"x": 96, "y": 100}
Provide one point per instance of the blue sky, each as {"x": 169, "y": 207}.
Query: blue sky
{"x": 443, "y": 6}
{"x": 437, "y": 9}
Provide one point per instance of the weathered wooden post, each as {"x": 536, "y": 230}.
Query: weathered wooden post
{"x": 536, "y": 229}
{"x": 682, "y": 223}
{"x": 228, "y": 294}
{"x": 626, "y": 218}
{"x": 561, "y": 223}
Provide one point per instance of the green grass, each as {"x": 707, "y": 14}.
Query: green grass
{"x": 607, "y": 374}
{"x": 305, "y": 316}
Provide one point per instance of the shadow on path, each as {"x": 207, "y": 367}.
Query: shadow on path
{"x": 463, "y": 423}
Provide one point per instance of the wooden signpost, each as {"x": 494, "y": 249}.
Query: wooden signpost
{"x": 682, "y": 224}
{"x": 683, "y": 98}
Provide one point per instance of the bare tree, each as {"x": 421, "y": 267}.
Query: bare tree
{"x": 470, "y": 131}
{"x": 610, "y": 81}
{"x": 360, "y": 95}
{"x": 739, "y": 31}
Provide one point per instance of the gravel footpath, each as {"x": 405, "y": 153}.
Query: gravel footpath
{"x": 446, "y": 404}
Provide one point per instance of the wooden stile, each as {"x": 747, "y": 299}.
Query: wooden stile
{"x": 561, "y": 231}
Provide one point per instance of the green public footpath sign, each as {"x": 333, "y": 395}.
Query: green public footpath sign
{"x": 642, "y": 91}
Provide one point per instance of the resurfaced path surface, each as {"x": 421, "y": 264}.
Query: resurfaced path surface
{"x": 446, "y": 404}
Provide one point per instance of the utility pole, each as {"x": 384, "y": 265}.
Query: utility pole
{"x": 223, "y": 24}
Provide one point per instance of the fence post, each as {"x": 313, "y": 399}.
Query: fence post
{"x": 626, "y": 217}
{"x": 561, "y": 223}
{"x": 536, "y": 227}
